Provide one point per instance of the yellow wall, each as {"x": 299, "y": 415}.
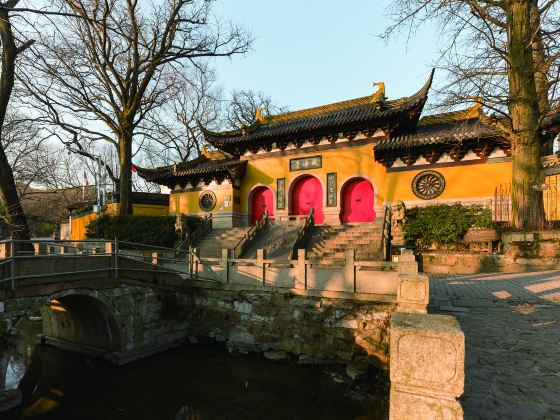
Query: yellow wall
{"x": 188, "y": 202}
{"x": 461, "y": 181}
{"x": 346, "y": 162}
{"x": 79, "y": 224}
{"x": 141, "y": 209}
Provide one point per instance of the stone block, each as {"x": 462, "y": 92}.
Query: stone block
{"x": 407, "y": 255}
{"x": 427, "y": 354}
{"x": 408, "y": 267}
{"x": 413, "y": 293}
{"x": 405, "y": 405}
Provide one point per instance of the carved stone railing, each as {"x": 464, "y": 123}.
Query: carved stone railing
{"x": 250, "y": 236}
{"x": 386, "y": 235}
{"x": 303, "y": 234}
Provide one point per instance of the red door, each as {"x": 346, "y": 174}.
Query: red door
{"x": 306, "y": 195}
{"x": 357, "y": 202}
{"x": 262, "y": 201}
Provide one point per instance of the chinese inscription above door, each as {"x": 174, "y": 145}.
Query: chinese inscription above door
{"x": 301, "y": 164}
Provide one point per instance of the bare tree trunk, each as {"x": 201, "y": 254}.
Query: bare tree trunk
{"x": 125, "y": 180}
{"x": 541, "y": 70}
{"x": 16, "y": 216}
{"x": 527, "y": 202}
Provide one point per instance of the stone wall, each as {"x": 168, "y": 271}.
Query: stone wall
{"x": 522, "y": 252}
{"x": 309, "y": 329}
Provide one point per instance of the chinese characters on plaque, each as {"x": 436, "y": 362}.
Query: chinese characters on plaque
{"x": 331, "y": 189}
{"x": 281, "y": 194}
{"x": 301, "y": 164}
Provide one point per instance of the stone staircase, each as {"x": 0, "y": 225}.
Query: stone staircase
{"x": 276, "y": 240}
{"x": 328, "y": 244}
{"x": 217, "y": 239}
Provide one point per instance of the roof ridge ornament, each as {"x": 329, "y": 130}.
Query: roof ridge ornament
{"x": 379, "y": 94}
{"x": 259, "y": 115}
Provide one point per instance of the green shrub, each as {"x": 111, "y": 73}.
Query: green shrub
{"x": 149, "y": 230}
{"x": 43, "y": 230}
{"x": 444, "y": 225}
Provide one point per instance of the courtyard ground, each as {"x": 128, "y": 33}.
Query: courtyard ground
{"x": 512, "y": 331}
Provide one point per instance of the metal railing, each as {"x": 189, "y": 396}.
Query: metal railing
{"x": 303, "y": 233}
{"x": 250, "y": 236}
{"x": 156, "y": 259}
{"x": 502, "y": 205}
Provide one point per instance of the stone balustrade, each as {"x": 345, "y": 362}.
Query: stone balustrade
{"x": 350, "y": 276}
{"x": 427, "y": 353}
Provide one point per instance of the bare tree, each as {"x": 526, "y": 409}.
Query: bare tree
{"x": 102, "y": 76}
{"x": 10, "y": 52}
{"x": 173, "y": 133}
{"x": 505, "y": 53}
{"x": 243, "y": 106}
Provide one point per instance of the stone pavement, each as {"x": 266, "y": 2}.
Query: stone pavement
{"x": 512, "y": 331}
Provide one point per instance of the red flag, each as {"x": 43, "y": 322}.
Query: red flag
{"x": 133, "y": 168}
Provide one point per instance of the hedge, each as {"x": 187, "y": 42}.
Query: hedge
{"x": 149, "y": 230}
{"x": 444, "y": 225}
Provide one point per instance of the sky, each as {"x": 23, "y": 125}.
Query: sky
{"x": 310, "y": 52}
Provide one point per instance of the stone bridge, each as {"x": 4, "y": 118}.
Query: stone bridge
{"x": 87, "y": 305}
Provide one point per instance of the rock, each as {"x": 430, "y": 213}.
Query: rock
{"x": 337, "y": 378}
{"x": 358, "y": 368}
{"x": 276, "y": 355}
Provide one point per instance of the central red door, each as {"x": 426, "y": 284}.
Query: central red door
{"x": 357, "y": 202}
{"x": 262, "y": 201}
{"x": 307, "y": 194}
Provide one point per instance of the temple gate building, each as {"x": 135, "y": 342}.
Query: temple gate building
{"x": 346, "y": 160}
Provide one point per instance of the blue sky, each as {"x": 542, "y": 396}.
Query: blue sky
{"x": 312, "y": 52}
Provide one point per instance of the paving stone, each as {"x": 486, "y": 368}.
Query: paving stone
{"x": 512, "y": 334}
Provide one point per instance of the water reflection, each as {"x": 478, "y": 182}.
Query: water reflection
{"x": 201, "y": 382}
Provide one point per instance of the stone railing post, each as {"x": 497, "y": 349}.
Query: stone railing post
{"x": 196, "y": 261}
{"x": 40, "y": 248}
{"x": 407, "y": 263}
{"x": 413, "y": 293}
{"x": 225, "y": 265}
{"x": 301, "y": 270}
{"x": 350, "y": 270}
{"x": 427, "y": 367}
{"x": 5, "y": 250}
{"x": 261, "y": 255}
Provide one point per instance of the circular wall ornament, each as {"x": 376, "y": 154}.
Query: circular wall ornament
{"x": 207, "y": 201}
{"x": 428, "y": 184}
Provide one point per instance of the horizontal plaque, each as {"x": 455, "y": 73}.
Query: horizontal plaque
{"x": 301, "y": 164}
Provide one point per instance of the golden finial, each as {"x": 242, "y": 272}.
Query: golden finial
{"x": 379, "y": 94}
{"x": 259, "y": 114}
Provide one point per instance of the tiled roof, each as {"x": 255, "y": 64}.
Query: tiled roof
{"x": 447, "y": 128}
{"x": 368, "y": 112}
{"x": 201, "y": 168}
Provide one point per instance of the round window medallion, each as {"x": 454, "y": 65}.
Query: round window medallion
{"x": 428, "y": 184}
{"x": 207, "y": 201}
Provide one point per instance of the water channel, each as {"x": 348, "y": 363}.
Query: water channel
{"x": 192, "y": 382}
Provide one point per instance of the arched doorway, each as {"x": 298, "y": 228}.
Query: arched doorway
{"x": 357, "y": 201}
{"x": 261, "y": 202}
{"x": 307, "y": 194}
